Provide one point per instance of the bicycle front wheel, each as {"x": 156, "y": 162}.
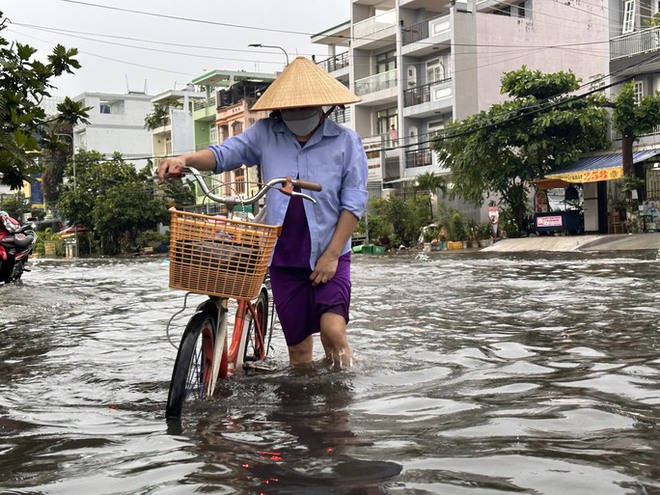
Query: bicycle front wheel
{"x": 194, "y": 363}
{"x": 253, "y": 346}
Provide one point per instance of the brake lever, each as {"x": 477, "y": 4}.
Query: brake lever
{"x": 303, "y": 195}
{"x": 287, "y": 188}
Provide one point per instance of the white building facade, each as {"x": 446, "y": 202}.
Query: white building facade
{"x": 116, "y": 123}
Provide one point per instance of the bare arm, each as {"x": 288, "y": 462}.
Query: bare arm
{"x": 326, "y": 266}
{"x": 201, "y": 160}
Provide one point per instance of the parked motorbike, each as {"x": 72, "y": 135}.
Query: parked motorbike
{"x": 16, "y": 244}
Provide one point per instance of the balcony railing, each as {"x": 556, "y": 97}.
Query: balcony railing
{"x": 370, "y": 26}
{"x": 341, "y": 115}
{"x": 417, "y": 32}
{"x": 419, "y": 158}
{"x": 335, "y": 63}
{"x": 420, "y": 94}
{"x": 207, "y": 103}
{"x": 635, "y": 43}
{"x": 377, "y": 82}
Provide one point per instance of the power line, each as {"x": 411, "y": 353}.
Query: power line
{"x": 186, "y": 19}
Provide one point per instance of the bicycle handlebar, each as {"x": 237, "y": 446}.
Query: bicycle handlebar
{"x": 287, "y": 184}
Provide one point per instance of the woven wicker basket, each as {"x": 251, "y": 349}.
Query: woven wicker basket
{"x": 218, "y": 256}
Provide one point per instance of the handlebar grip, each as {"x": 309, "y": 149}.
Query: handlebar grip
{"x": 305, "y": 184}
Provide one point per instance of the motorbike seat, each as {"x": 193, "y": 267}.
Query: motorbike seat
{"x": 18, "y": 240}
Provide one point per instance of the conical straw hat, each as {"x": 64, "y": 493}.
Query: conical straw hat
{"x": 304, "y": 84}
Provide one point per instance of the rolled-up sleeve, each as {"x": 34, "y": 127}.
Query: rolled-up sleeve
{"x": 238, "y": 150}
{"x": 353, "y": 195}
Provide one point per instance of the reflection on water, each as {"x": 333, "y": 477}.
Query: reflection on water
{"x": 474, "y": 373}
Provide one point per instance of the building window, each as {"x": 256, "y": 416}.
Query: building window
{"x": 435, "y": 71}
{"x": 105, "y": 107}
{"x": 386, "y": 61}
{"x": 213, "y": 134}
{"x": 240, "y": 179}
{"x": 385, "y": 119}
{"x": 628, "y": 17}
{"x": 639, "y": 91}
{"x": 503, "y": 11}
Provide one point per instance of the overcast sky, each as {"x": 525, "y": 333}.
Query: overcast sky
{"x": 170, "y": 42}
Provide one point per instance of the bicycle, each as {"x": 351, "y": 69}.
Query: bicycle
{"x": 225, "y": 259}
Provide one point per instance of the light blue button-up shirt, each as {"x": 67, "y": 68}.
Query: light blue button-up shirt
{"x": 333, "y": 157}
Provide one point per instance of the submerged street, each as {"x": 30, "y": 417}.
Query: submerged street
{"x": 476, "y": 373}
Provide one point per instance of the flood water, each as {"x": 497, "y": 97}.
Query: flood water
{"x": 475, "y": 374}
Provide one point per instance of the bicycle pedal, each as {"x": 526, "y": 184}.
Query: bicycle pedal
{"x": 258, "y": 366}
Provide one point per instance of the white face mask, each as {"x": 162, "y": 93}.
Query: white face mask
{"x": 302, "y": 122}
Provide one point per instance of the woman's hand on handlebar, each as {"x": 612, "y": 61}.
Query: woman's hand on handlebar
{"x": 174, "y": 166}
{"x": 171, "y": 167}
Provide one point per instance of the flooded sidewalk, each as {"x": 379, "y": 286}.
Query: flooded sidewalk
{"x": 597, "y": 242}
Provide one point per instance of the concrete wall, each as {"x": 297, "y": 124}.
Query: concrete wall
{"x": 578, "y": 34}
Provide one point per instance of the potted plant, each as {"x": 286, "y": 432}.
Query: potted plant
{"x": 471, "y": 228}
{"x": 456, "y": 231}
{"x": 429, "y": 237}
{"x": 485, "y": 234}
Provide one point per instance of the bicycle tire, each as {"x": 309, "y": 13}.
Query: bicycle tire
{"x": 253, "y": 346}
{"x": 192, "y": 367}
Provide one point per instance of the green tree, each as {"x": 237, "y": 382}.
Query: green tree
{"x": 538, "y": 130}
{"x": 24, "y": 83}
{"x": 406, "y": 217}
{"x": 632, "y": 119}
{"x": 160, "y": 114}
{"x": 111, "y": 198}
{"x": 430, "y": 183}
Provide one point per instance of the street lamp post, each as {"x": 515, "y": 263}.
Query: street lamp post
{"x": 75, "y": 186}
{"x": 259, "y": 45}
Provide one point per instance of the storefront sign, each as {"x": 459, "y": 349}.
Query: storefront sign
{"x": 591, "y": 175}
{"x": 549, "y": 221}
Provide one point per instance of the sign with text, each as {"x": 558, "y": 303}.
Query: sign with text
{"x": 549, "y": 221}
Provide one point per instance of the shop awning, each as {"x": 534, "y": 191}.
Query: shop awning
{"x": 599, "y": 167}
{"x": 550, "y": 184}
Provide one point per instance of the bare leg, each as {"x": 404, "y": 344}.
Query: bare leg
{"x": 302, "y": 353}
{"x": 333, "y": 338}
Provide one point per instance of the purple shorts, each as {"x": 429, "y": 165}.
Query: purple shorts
{"x": 299, "y": 304}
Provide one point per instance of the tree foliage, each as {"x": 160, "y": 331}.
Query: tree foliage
{"x": 405, "y": 217}
{"x": 430, "y": 183}
{"x": 161, "y": 112}
{"x": 539, "y": 129}
{"x": 632, "y": 119}
{"x": 111, "y": 198}
{"x": 24, "y": 83}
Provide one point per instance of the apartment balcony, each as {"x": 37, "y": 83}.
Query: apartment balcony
{"x": 375, "y": 32}
{"x": 424, "y": 38}
{"x": 205, "y": 109}
{"x": 419, "y": 158}
{"x": 429, "y": 5}
{"x": 428, "y": 99}
{"x": 639, "y": 42}
{"x": 341, "y": 115}
{"x": 337, "y": 65}
{"x": 379, "y": 88}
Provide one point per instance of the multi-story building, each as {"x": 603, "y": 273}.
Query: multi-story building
{"x": 635, "y": 52}
{"x": 418, "y": 64}
{"x": 116, "y": 123}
